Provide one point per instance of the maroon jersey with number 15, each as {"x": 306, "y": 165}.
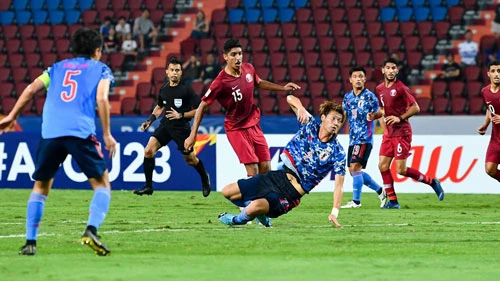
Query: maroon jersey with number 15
{"x": 492, "y": 101}
{"x": 235, "y": 94}
{"x": 396, "y": 100}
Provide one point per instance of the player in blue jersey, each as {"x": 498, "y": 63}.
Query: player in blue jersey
{"x": 77, "y": 85}
{"x": 357, "y": 104}
{"x": 308, "y": 157}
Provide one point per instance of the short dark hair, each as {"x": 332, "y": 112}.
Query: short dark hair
{"x": 174, "y": 60}
{"x": 328, "y": 106}
{"x": 231, "y": 43}
{"x": 357, "y": 68}
{"x": 85, "y": 41}
{"x": 492, "y": 63}
{"x": 391, "y": 60}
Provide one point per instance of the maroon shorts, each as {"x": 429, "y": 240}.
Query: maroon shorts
{"x": 396, "y": 147}
{"x": 493, "y": 153}
{"x": 249, "y": 144}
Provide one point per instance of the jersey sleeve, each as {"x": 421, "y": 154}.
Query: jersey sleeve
{"x": 409, "y": 98}
{"x": 373, "y": 100}
{"x": 256, "y": 77}
{"x": 159, "y": 99}
{"x": 108, "y": 74}
{"x": 377, "y": 95}
{"x": 211, "y": 94}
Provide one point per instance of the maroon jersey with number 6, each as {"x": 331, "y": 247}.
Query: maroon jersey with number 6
{"x": 395, "y": 100}
{"x": 235, "y": 94}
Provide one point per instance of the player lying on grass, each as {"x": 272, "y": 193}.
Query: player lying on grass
{"x": 308, "y": 157}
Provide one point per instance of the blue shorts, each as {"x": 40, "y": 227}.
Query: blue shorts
{"x": 275, "y": 188}
{"x": 359, "y": 153}
{"x": 52, "y": 152}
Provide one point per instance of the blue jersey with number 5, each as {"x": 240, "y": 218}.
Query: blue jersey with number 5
{"x": 69, "y": 109}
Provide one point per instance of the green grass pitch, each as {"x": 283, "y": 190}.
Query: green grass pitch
{"x": 176, "y": 236}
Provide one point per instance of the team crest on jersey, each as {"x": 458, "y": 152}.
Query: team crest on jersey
{"x": 178, "y": 102}
{"x": 393, "y": 92}
{"x": 249, "y": 78}
{"x": 361, "y": 103}
{"x": 324, "y": 155}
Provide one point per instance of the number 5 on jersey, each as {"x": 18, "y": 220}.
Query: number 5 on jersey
{"x": 237, "y": 95}
{"x": 72, "y": 83}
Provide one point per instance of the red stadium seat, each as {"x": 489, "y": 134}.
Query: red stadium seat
{"x": 288, "y": 29}
{"x": 293, "y": 59}
{"x": 259, "y": 59}
{"x": 394, "y": 43}
{"x": 411, "y": 43}
{"x": 440, "y": 106}
{"x": 279, "y": 73}
{"x": 45, "y": 46}
{"x": 257, "y": 44}
{"x": 218, "y": 16}
{"x": 34, "y": 72}
{"x": 238, "y": 29}
{"x": 362, "y": 58}
{"x": 207, "y": 45}
{"x": 10, "y": 31}
{"x": 320, "y": 15}
{"x": 370, "y": 15}
{"x": 42, "y": 31}
{"x": 322, "y": 30}
{"x": 296, "y": 74}
{"x": 8, "y": 104}
{"x": 4, "y": 74}
{"x": 305, "y": 29}
{"x": 317, "y": 89}
{"x": 356, "y": 29}
{"x": 118, "y": 4}
{"x": 267, "y": 105}
{"x": 101, "y": 4}
{"x": 271, "y": 30}
{"x": 12, "y": 46}
{"x": 334, "y": 89}
{"x": 328, "y": 59}
{"x": 457, "y": 106}
{"x": 428, "y": 44}
{"x": 343, "y": 44}
{"x": 360, "y": 44}
{"x": 263, "y": 72}
{"x": 32, "y": 60}
{"x": 15, "y": 60}
{"x": 353, "y": 14}
{"x": 476, "y": 106}
{"x": 474, "y": 89}
{"x": 331, "y": 74}
{"x": 303, "y": 15}
{"x": 255, "y": 30}
{"x": 390, "y": 28}
{"x": 339, "y": 29}
{"x": 345, "y": 58}
{"x": 472, "y": 73}
{"x": 325, "y": 44}
{"x": 38, "y": 104}
{"x": 442, "y": 28}
{"x": 146, "y": 106}
{"x": 377, "y": 43}
{"x": 456, "y": 89}
{"x": 277, "y": 59}
{"x": 143, "y": 90}
{"x": 407, "y": 28}
{"x": 373, "y": 29}
{"x": 276, "y": 44}
{"x": 283, "y": 107}
{"x": 487, "y": 43}
{"x": 414, "y": 59}
{"x": 337, "y": 15}
{"x": 424, "y": 104}
{"x": 89, "y": 17}
{"x": 215, "y": 108}
{"x": 116, "y": 61}
{"x": 62, "y": 45}
{"x": 314, "y": 74}
{"x": 424, "y": 28}
{"x": 456, "y": 14}
{"x": 59, "y": 31}
{"x": 128, "y": 106}
{"x": 438, "y": 89}
{"x": 197, "y": 87}
{"x": 312, "y": 59}
{"x": 308, "y": 44}
{"x": 151, "y": 4}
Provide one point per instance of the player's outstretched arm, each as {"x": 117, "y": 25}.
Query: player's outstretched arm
{"x": 337, "y": 200}
{"x": 198, "y": 116}
{"x": 25, "y": 97}
{"x": 103, "y": 109}
{"x": 266, "y": 85}
{"x": 297, "y": 107}
{"x": 482, "y": 129}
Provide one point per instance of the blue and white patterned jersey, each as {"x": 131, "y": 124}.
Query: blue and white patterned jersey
{"x": 356, "y": 109}
{"x": 312, "y": 159}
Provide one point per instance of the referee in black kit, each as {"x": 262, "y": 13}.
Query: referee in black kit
{"x": 180, "y": 103}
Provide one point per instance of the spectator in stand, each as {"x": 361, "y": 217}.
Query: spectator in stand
{"x": 111, "y": 43}
{"x": 145, "y": 31}
{"x": 192, "y": 70}
{"x": 210, "y": 70}
{"x": 451, "y": 71}
{"x": 468, "y": 50}
{"x": 106, "y": 26}
{"x": 495, "y": 25}
{"x": 200, "y": 29}
{"x": 129, "y": 46}
{"x": 122, "y": 29}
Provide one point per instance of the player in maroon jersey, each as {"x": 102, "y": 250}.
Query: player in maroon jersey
{"x": 491, "y": 99}
{"x": 233, "y": 89}
{"x": 397, "y": 105}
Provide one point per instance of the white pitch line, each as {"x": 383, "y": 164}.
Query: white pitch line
{"x": 244, "y": 227}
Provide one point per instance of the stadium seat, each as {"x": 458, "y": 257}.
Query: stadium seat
{"x": 305, "y": 29}
{"x": 411, "y": 43}
{"x": 354, "y": 15}
{"x": 476, "y": 106}
{"x": 334, "y": 89}
{"x": 356, "y": 29}
{"x": 472, "y": 73}
{"x": 458, "y": 106}
{"x": 288, "y": 29}
{"x": 428, "y": 44}
{"x": 8, "y": 104}
{"x": 394, "y": 43}
{"x": 333, "y": 3}
{"x": 7, "y": 89}
{"x": 69, "y": 4}
{"x": 336, "y": 15}
{"x": 404, "y": 13}
{"x": 473, "y": 89}
{"x": 53, "y": 5}
{"x": 277, "y": 59}
{"x": 487, "y": 43}
{"x": 328, "y": 59}
{"x": 456, "y": 89}
{"x": 370, "y": 15}
{"x": 23, "y": 17}
{"x": 215, "y": 109}
{"x": 299, "y": 3}
{"x": 311, "y": 59}
{"x": 207, "y": 45}
{"x": 87, "y": 4}
{"x": 143, "y": 90}
{"x": 325, "y": 44}
{"x": 378, "y": 58}
{"x": 331, "y": 74}
{"x": 303, "y": 15}
{"x": 118, "y": 4}
{"x": 296, "y": 74}
{"x": 293, "y": 59}
{"x": 314, "y": 74}
{"x": 254, "y": 30}
{"x": 218, "y": 16}
{"x": 5, "y": 5}
{"x": 40, "y": 17}
{"x": 258, "y": 44}
{"x": 56, "y": 16}
{"x": 439, "y": 13}
{"x": 197, "y": 87}
{"x": 263, "y": 72}
{"x": 435, "y": 2}
{"x": 279, "y": 73}
{"x": 29, "y": 46}
{"x": 362, "y": 58}
{"x": 12, "y": 46}
{"x": 438, "y": 89}
{"x": 283, "y": 107}
{"x": 391, "y": 28}
{"x": 407, "y": 28}
{"x": 71, "y": 16}
{"x": 421, "y": 14}
{"x": 322, "y": 30}
{"x": 317, "y": 89}
{"x": 424, "y": 104}
{"x": 128, "y": 106}
{"x": 424, "y": 28}
{"x": 442, "y": 28}
{"x": 267, "y": 105}
{"x": 345, "y": 58}
{"x": 19, "y": 5}
{"x": 373, "y": 28}
{"x": 387, "y": 14}
{"x": 4, "y": 74}
{"x": 10, "y": 31}
{"x": 316, "y": 4}
{"x": 268, "y": 15}
{"x": 145, "y": 106}
{"x": 414, "y": 59}
{"x": 456, "y": 15}
{"x": 401, "y": 3}
{"x": 251, "y": 15}
{"x": 34, "y": 72}
{"x": 360, "y": 44}
{"x": 276, "y": 44}
{"x": 247, "y": 4}
{"x": 116, "y": 61}
{"x": 45, "y": 46}
{"x": 62, "y": 45}
{"x": 259, "y": 59}
{"x": 3, "y": 57}
{"x": 343, "y": 44}
{"x": 339, "y": 29}
{"x": 440, "y": 106}
{"x": 308, "y": 44}
{"x": 418, "y": 3}
{"x": 7, "y": 17}
{"x": 159, "y": 76}
{"x": 285, "y": 14}
{"x": 89, "y": 17}
{"x": 264, "y": 4}
{"x": 59, "y": 31}
{"x": 321, "y": 16}
{"x": 271, "y": 30}
{"x": 235, "y": 16}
